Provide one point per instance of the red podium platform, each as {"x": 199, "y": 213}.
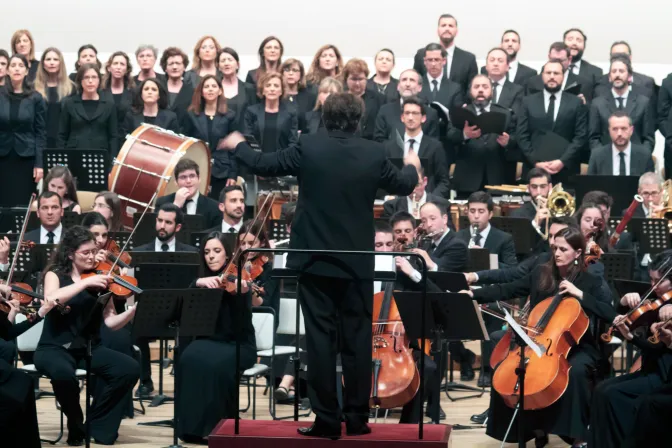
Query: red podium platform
{"x": 282, "y": 434}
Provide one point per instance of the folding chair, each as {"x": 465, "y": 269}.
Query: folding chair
{"x": 263, "y": 319}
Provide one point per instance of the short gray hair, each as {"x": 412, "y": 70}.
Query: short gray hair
{"x": 142, "y": 48}
{"x": 650, "y": 178}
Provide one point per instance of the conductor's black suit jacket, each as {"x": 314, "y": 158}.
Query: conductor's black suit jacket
{"x": 339, "y": 175}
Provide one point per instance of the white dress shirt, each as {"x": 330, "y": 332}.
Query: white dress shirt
{"x": 58, "y": 231}
{"x": 513, "y": 70}
{"x": 547, "y": 100}
{"x": 450, "y": 52}
{"x": 158, "y": 243}
{"x": 226, "y": 226}
{"x": 624, "y": 96}
{"x": 191, "y": 206}
{"x": 576, "y": 69}
{"x": 416, "y": 144}
{"x": 616, "y": 159}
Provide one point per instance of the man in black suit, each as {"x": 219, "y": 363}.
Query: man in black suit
{"x": 339, "y": 175}
{"x": 50, "y": 212}
{"x": 232, "y": 208}
{"x": 414, "y": 114}
{"x": 481, "y": 158}
{"x": 436, "y": 86}
{"x": 169, "y": 221}
{"x": 188, "y": 198}
{"x": 622, "y": 157}
{"x": 538, "y": 186}
{"x": 504, "y": 92}
{"x": 460, "y": 66}
{"x": 559, "y": 51}
{"x": 389, "y": 116}
{"x": 518, "y": 73}
{"x": 447, "y": 253}
{"x": 576, "y": 40}
{"x": 552, "y": 126}
{"x": 635, "y": 106}
{"x": 500, "y": 67}
{"x": 664, "y": 121}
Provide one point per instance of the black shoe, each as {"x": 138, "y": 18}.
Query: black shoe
{"x": 467, "y": 373}
{"x": 76, "y": 435}
{"x": 145, "y": 390}
{"x": 321, "y": 430}
{"x": 442, "y": 415}
{"x": 485, "y": 379}
{"x": 541, "y": 442}
{"x": 357, "y": 430}
{"x": 480, "y": 418}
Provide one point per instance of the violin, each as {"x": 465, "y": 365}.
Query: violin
{"x": 655, "y": 337}
{"x": 121, "y": 286}
{"x": 115, "y": 254}
{"x": 593, "y": 250}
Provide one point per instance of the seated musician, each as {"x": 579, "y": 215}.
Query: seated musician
{"x": 568, "y": 416}
{"x": 617, "y": 400}
{"x": 62, "y": 346}
{"x": 592, "y": 223}
{"x": 207, "y": 378}
{"x": 60, "y": 180}
{"x": 107, "y": 203}
{"x": 232, "y": 208}
{"x": 265, "y": 289}
{"x": 169, "y": 221}
{"x": 18, "y": 416}
{"x": 188, "y": 198}
{"x": 50, "y": 212}
{"x": 539, "y": 186}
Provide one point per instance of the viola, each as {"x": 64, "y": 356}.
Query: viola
{"x": 121, "y": 286}
{"x": 115, "y": 254}
{"x": 230, "y": 278}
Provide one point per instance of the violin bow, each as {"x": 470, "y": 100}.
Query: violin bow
{"x": 19, "y": 243}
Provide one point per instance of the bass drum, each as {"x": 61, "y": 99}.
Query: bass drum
{"x": 145, "y": 166}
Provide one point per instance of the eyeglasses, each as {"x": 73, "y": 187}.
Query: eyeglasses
{"x": 98, "y": 205}
{"x": 649, "y": 194}
{"x": 351, "y": 79}
{"x": 87, "y": 252}
{"x": 412, "y": 113}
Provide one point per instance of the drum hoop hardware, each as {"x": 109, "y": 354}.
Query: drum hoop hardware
{"x": 146, "y": 142}
{"x": 166, "y": 178}
{"x": 133, "y": 201}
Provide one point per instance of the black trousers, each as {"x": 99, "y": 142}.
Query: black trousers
{"x": 18, "y": 416}
{"x": 653, "y": 416}
{"x": 145, "y": 360}
{"x": 119, "y": 372}
{"x": 338, "y": 309}
{"x": 7, "y": 350}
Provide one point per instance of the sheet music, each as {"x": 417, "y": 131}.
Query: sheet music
{"x": 383, "y": 263}
{"x": 515, "y": 327}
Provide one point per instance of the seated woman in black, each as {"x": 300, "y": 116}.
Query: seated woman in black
{"x": 313, "y": 119}
{"x": 265, "y": 290}
{"x": 206, "y": 374}
{"x": 150, "y": 105}
{"x": 568, "y": 417}
{"x": 209, "y": 119}
{"x": 59, "y": 180}
{"x": 62, "y": 347}
{"x": 18, "y": 416}
{"x": 89, "y": 119}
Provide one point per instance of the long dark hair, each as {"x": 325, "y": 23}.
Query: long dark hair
{"x": 26, "y": 86}
{"x": 258, "y": 227}
{"x": 94, "y": 219}
{"x": 63, "y": 172}
{"x": 221, "y": 237}
{"x": 550, "y": 278}
{"x": 601, "y": 235}
{"x": 72, "y": 239}
{"x": 112, "y": 201}
{"x": 198, "y": 103}
{"x": 139, "y": 105}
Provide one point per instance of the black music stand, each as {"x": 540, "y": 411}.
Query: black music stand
{"x": 652, "y": 235}
{"x": 617, "y": 265}
{"x": 89, "y": 167}
{"x": 176, "y": 313}
{"x": 277, "y": 230}
{"x": 478, "y": 260}
{"x": 121, "y": 238}
{"x": 40, "y": 257}
{"x": 146, "y": 231}
{"x": 620, "y": 188}
{"x": 141, "y": 257}
{"x": 449, "y": 281}
{"x": 525, "y": 238}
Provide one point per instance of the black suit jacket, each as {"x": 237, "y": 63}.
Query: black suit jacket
{"x": 304, "y": 103}
{"x": 526, "y": 210}
{"x": 196, "y": 126}
{"x": 483, "y": 159}
{"x": 523, "y": 74}
{"x": 510, "y": 96}
{"x": 451, "y": 254}
{"x": 391, "y": 93}
{"x": 602, "y": 163}
{"x": 312, "y": 122}
{"x": 664, "y": 106}
{"x": 123, "y": 106}
{"x": 437, "y": 171}
{"x": 166, "y": 119}
{"x": 463, "y": 68}
{"x": 497, "y": 242}
{"x": 287, "y": 124}
{"x": 27, "y": 136}
{"x": 179, "y": 247}
{"x": 400, "y": 204}
{"x": 590, "y": 72}
{"x": 339, "y": 175}
{"x": 79, "y": 131}
{"x": 183, "y": 101}
{"x": 449, "y": 94}
{"x": 389, "y": 119}
{"x": 161, "y": 77}
{"x": 642, "y": 84}
{"x": 637, "y": 107}
{"x": 536, "y": 84}
{"x": 205, "y": 206}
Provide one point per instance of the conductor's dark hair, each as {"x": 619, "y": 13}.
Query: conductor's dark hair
{"x": 447, "y": 16}
{"x": 94, "y": 219}
{"x": 538, "y": 172}
{"x": 442, "y": 208}
{"x": 226, "y": 243}
{"x": 402, "y": 216}
{"x": 383, "y": 227}
{"x": 169, "y": 207}
{"x": 621, "y": 57}
{"x": 139, "y": 105}
{"x": 185, "y": 164}
{"x": 662, "y": 262}
{"x": 72, "y": 239}
{"x": 414, "y": 100}
{"x": 436, "y": 47}
{"x": 599, "y": 197}
{"x": 227, "y": 189}
{"x": 578, "y": 30}
{"x": 342, "y": 112}
{"x": 46, "y": 194}
{"x": 511, "y": 31}
{"x": 481, "y": 197}
{"x": 621, "y": 42}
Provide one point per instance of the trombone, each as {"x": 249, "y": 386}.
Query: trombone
{"x": 559, "y": 203}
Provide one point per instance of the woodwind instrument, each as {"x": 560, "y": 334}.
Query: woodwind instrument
{"x": 629, "y": 213}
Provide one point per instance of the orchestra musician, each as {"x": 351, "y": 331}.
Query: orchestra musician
{"x": 538, "y": 187}
{"x": 49, "y": 212}
{"x": 60, "y": 181}
{"x": 232, "y": 207}
{"x": 207, "y": 377}
{"x": 447, "y": 252}
{"x": 62, "y": 345}
{"x": 415, "y": 200}
{"x": 265, "y": 289}
{"x": 107, "y": 203}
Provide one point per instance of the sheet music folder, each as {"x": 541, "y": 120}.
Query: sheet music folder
{"x": 488, "y": 122}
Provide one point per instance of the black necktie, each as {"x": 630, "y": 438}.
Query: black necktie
{"x": 477, "y": 239}
{"x": 494, "y": 92}
{"x": 165, "y": 247}
{"x": 620, "y": 102}
{"x": 550, "y": 113}
{"x": 572, "y": 67}
{"x": 184, "y": 207}
{"x": 432, "y": 248}
{"x": 435, "y": 88}
{"x": 481, "y": 110}
{"x": 621, "y": 164}
{"x": 232, "y": 230}
{"x": 411, "y": 142}
{"x": 50, "y": 237}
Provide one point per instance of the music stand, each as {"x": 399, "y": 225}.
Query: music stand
{"x": 146, "y": 230}
{"x": 41, "y": 256}
{"x": 624, "y": 286}
{"x": 277, "y": 230}
{"x": 176, "y": 313}
{"x": 141, "y": 257}
{"x": 652, "y": 234}
{"x": 121, "y": 238}
{"x": 478, "y": 260}
{"x": 449, "y": 281}
{"x": 525, "y": 238}
{"x": 617, "y": 265}
{"x": 620, "y": 188}
{"x": 89, "y": 167}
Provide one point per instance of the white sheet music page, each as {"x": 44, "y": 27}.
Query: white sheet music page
{"x": 515, "y": 327}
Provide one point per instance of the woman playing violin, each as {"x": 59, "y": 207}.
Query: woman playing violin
{"x": 567, "y": 417}
{"x": 207, "y": 377}
{"x": 616, "y": 400}
{"x": 265, "y": 290}
{"x": 61, "y": 346}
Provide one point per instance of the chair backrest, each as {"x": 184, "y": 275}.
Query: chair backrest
{"x": 264, "y": 322}
{"x": 287, "y": 318}
{"x": 28, "y": 340}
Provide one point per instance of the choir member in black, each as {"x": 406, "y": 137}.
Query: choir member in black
{"x": 518, "y": 73}
{"x": 206, "y": 376}
{"x": 210, "y": 120}
{"x": 561, "y": 52}
{"x": 146, "y": 55}
{"x": 270, "y": 59}
{"x": 576, "y": 40}
{"x": 118, "y": 83}
{"x": 150, "y": 105}
{"x": 53, "y": 84}
{"x": 567, "y": 417}
{"x": 59, "y": 180}
{"x": 295, "y": 89}
{"x": 62, "y": 346}
{"x": 617, "y": 401}
{"x": 174, "y": 62}
{"x": 382, "y": 81}
{"x": 338, "y": 283}
{"x": 326, "y": 62}
{"x": 24, "y": 44}
{"x": 4, "y": 63}
{"x": 238, "y": 94}
{"x": 355, "y": 75}
{"x": 87, "y": 54}
{"x": 18, "y": 416}
{"x": 204, "y": 61}
{"x": 504, "y": 92}
{"x": 107, "y": 203}
{"x": 89, "y": 119}
{"x": 641, "y": 84}
{"x": 265, "y": 289}
{"x": 312, "y": 121}
{"x": 23, "y": 135}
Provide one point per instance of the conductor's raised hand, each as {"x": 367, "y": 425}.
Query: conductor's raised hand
{"x": 230, "y": 142}
{"x": 412, "y": 159}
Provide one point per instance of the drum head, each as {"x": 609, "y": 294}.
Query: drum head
{"x": 199, "y": 153}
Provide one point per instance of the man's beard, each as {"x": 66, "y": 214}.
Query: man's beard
{"x": 578, "y": 57}
{"x": 555, "y": 89}
{"x": 447, "y": 41}
{"x": 165, "y": 238}
{"x": 513, "y": 55}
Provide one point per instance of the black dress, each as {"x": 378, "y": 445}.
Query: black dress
{"x": 53, "y": 116}
{"x": 569, "y": 416}
{"x": 206, "y": 381}
{"x": 61, "y": 351}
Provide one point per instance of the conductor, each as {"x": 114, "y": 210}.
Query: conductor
{"x": 338, "y": 176}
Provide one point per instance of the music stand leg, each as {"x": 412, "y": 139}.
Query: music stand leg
{"x": 454, "y": 386}
{"x": 87, "y": 425}
{"x": 176, "y": 418}
{"x": 160, "y": 398}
